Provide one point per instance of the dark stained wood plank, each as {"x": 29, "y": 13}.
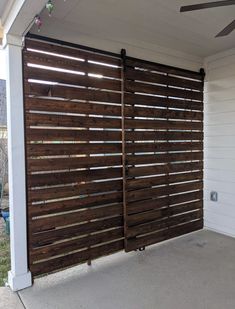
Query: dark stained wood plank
{"x": 162, "y": 113}
{"x": 158, "y": 203}
{"x": 70, "y": 93}
{"x": 64, "y": 219}
{"x": 35, "y": 150}
{"x": 148, "y": 100}
{"x": 76, "y": 258}
{"x": 153, "y": 226}
{"x": 164, "y": 235}
{"x": 77, "y": 203}
{"x": 155, "y": 214}
{"x": 161, "y": 124}
{"x": 153, "y": 77}
{"x": 70, "y": 64}
{"x": 55, "y": 134}
{"x": 132, "y": 62}
{"x": 36, "y": 180}
{"x": 163, "y": 169}
{"x": 141, "y": 183}
{"x": 163, "y": 158}
{"x": 49, "y": 251}
{"x": 51, "y": 236}
{"x": 52, "y": 193}
{"x": 136, "y": 195}
{"x": 70, "y": 52}
{"x": 55, "y": 164}
{"x": 162, "y": 135}
{"x": 131, "y": 86}
{"x": 160, "y": 147}
{"x": 53, "y": 76}
{"x": 50, "y": 120}
{"x": 65, "y": 106}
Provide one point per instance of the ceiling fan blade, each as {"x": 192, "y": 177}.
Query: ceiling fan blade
{"x": 227, "y": 30}
{"x": 208, "y": 5}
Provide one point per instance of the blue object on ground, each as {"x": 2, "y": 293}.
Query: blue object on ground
{"x": 5, "y": 215}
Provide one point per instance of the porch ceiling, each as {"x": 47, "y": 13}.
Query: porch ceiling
{"x": 156, "y": 22}
{"x": 2, "y": 6}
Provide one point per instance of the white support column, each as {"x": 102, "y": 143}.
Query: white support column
{"x": 19, "y": 276}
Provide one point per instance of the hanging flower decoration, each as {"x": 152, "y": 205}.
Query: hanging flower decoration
{"x": 38, "y": 22}
{"x": 50, "y": 7}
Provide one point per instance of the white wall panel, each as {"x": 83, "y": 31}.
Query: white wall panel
{"x": 220, "y": 142}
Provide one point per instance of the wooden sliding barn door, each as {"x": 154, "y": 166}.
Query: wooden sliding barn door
{"x": 74, "y": 161}
{"x": 114, "y": 150}
{"x": 163, "y": 118}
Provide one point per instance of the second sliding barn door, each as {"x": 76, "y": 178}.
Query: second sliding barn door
{"x": 163, "y": 152}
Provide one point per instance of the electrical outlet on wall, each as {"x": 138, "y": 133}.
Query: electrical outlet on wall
{"x": 214, "y": 196}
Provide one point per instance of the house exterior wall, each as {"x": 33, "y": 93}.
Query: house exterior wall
{"x": 220, "y": 142}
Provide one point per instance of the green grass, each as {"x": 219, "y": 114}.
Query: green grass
{"x": 4, "y": 257}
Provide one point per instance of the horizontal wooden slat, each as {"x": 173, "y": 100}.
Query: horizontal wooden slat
{"x": 148, "y": 100}
{"x": 65, "y": 106}
{"x": 51, "y": 236}
{"x": 46, "y": 223}
{"x": 73, "y": 177}
{"x": 162, "y": 158}
{"x": 165, "y": 146}
{"x": 70, "y": 64}
{"x": 164, "y": 190}
{"x": 162, "y": 169}
{"x": 75, "y": 204}
{"x": 49, "y": 251}
{"x": 161, "y": 113}
{"x": 157, "y": 203}
{"x": 132, "y": 62}
{"x": 52, "y": 193}
{"x": 76, "y": 258}
{"x": 71, "y": 135}
{"x": 71, "y": 52}
{"x": 141, "y": 218}
{"x": 37, "y": 165}
{"x": 161, "y": 124}
{"x": 162, "y": 135}
{"x": 157, "y": 78}
{"x": 164, "y": 91}
{"x": 49, "y": 120}
{"x": 35, "y": 150}
{"x": 160, "y": 224}
{"x": 140, "y": 183}
{"x": 164, "y": 235}
{"x": 54, "y": 76}
{"x": 70, "y": 93}
{"x": 93, "y": 135}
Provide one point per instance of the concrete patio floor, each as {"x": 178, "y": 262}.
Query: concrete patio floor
{"x": 196, "y": 271}
{"x": 9, "y": 300}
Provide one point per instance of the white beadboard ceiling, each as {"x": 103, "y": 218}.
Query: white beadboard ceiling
{"x": 147, "y": 21}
